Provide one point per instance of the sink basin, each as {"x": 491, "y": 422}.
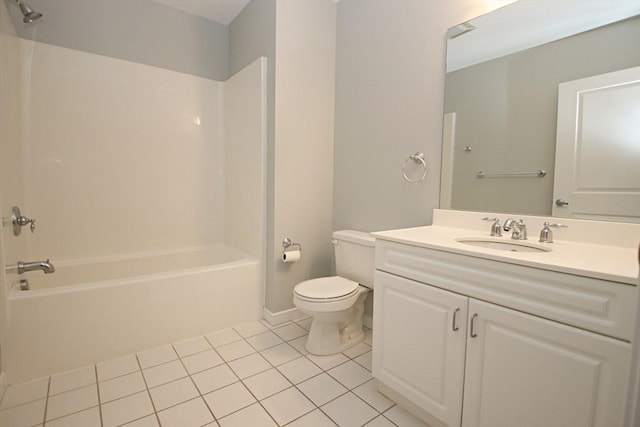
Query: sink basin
{"x": 514, "y": 246}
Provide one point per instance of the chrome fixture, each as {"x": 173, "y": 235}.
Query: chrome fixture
{"x": 24, "y": 285}
{"x": 519, "y": 229}
{"x": 546, "y": 236}
{"x": 287, "y": 243}
{"x": 29, "y": 15}
{"x": 18, "y": 221}
{"x": 496, "y": 230}
{"x": 561, "y": 202}
{"x": 22, "y": 267}
{"x": 539, "y": 173}
{"x": 418, "y": 158}
{"x": 289, "y": 251}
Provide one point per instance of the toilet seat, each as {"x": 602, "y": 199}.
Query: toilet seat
{"x": 326, "y": 289}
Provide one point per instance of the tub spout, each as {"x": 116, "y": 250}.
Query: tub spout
{"x": 22, "y": 267}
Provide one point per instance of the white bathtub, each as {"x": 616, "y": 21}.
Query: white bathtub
{"x": 88, "y": 312}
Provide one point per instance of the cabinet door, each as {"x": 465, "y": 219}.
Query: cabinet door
{"x": 525, "y": 371}
{"x": 419, "y": 338}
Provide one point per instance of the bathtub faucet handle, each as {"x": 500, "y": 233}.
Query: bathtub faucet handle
{"x": 18, "y": 221}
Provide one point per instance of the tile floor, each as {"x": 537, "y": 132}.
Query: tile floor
{"x": 252, "y": 375}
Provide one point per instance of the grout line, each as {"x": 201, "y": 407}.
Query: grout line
{"x": 153, "y": 405}
{"x": 95, "y": 371}
{"x": 196, "y": 353}
{"x": 250, "y": 392}
{"x": 72, "y": 413}
{"x": 46, "y": 402}
{"x": 118, "y": 376}
{"x": 259, "y": 401}
{"x": 375, "y": 409}
{"x": 328, "y": 401}
{"x": 247, "y": 388}
{"x": 240, "y": 380}
{"x": 383, "y": 414}
{"x": 23, "y": 403}
{"x": 200, "y": 395}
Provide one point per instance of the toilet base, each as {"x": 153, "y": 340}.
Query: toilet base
{"x": 326, "y": 339}
{"x": 332, "y": 333}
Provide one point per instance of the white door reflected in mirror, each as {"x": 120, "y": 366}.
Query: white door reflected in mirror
{"x": 598, "y": 148}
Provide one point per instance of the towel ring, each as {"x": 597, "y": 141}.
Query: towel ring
{"x": 419, "y": 159}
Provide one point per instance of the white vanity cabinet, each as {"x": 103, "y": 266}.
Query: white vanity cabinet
{"x": 522, "y": 370}
{"x": 476, "y": 342}
{"x": 420, "y": 338}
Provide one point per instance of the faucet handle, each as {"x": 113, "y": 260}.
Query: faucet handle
{"x": 18, "y": 221}
{"x": 557, "y": 225}
{"x": 496, "y": 229}
{"x": 546, "y": 236}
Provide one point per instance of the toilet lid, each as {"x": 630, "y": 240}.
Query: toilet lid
{"x": 326, "y": 287}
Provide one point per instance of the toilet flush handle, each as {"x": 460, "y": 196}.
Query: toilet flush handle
{"x": 334, "y": 241}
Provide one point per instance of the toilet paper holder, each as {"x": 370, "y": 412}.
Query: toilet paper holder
{"x": 291, "y": 252}
{"x": 287, "y": 243}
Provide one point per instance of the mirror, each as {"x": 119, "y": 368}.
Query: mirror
{"x": 501, "y": 99}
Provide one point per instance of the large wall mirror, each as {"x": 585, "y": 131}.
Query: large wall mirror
{"x": 542, "y": 111}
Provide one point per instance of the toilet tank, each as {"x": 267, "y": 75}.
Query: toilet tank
{"x": 354, "y": 252}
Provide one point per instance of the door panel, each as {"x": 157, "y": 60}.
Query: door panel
{"x": 598, "y": 147}
{"x": 529, "y": 372}
{"x": 417, "y": 352}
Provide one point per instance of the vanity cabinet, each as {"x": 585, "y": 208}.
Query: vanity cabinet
{"x": 460, "y": 351}
{"x": 420, "y": 338}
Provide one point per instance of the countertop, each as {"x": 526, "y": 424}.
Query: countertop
{"x": 607, "y": 262}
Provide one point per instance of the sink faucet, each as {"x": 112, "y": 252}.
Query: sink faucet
{"x": 22, "y": 267}
{"x": 519, "y": 229}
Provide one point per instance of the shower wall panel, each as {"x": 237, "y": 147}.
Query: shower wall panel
{"x": 245, "y": 146}
{"x": 120, "y": 157}
{"x": 10, "y": 173}
{"x": 11, "y": 185}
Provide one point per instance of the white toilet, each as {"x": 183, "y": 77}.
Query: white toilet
{"x": 336, "y": 303}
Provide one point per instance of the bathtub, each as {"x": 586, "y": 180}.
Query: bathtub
{"x": 95, "y": 310}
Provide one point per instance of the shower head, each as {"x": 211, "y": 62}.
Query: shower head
{"x": 29, "y": 14}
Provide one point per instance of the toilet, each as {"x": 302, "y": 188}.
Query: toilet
{"x": 336, "y": 303}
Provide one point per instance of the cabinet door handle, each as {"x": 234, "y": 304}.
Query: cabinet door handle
{"x": 472, "y": 333}
{"x": 454, "y": 324}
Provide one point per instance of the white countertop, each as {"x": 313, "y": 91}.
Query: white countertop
{"x": 607, "y": 262}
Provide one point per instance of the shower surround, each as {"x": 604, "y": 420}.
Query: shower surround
{"x": 148, "y": 189}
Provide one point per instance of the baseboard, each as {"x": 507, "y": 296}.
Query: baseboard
{"x": 3, "y": 384}
{"x": 295, "y": 314}
{"x": 282, "y": 316}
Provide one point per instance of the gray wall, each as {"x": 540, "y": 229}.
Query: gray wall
{"x": 134, "y": 30}
{"x": 297, "y": 37}
{"x": 506, "y": 110}
{"x": 389, "y": 91}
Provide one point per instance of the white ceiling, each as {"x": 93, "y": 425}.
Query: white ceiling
{"x": 223, "y": 11}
